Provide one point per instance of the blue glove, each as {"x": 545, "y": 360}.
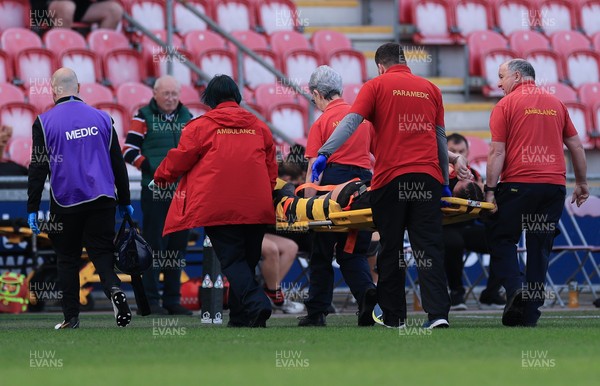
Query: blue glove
{"x": 317, "y": 167}
{"x": 32, "y": 222}
{"x": 125, "y": 209}
{"x": 446, "y": 192}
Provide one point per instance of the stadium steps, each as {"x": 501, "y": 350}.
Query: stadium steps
{"x": 329, "y": 12}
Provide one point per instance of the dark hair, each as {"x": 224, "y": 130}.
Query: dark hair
{"x": 293, "y": 170}
{"x": 389, "y": 54}
{"x": 221, "y": 88}
{"x": 469, "y": 191}
{"x": 297, "y": 157}
{"x": 457, "y": 138}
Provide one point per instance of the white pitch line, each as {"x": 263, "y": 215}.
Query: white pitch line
{"x": 543, "y": 317}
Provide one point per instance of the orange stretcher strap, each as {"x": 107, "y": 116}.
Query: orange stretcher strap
{"x": 351, "y": 241}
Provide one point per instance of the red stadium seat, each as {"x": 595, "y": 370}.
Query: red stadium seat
{"x": 589, "y": 14}
{"x": 35, "y": 66}
{"x": 284, "y": 41}
{"x": 589, "y": 94}
{"x": 325, "y": 42}
{"x": 290, "y": 119}
{"x": 547, "y": 65}
{"x": 433, "y": 21}
{"x": 350, "y": 92}
{"x": 557, "y": 15}
{"x": 472, "y": 15}
{"x": 121, "y": 117}
{"x": 131, "y": 94}
{"x": 14, "y": 40}
{"x": 151, "y": 51}
{"x": 6, "y": 71}
{"x": 188, "y": 94}
{"x": 350, "y": 64}
{"x": 582, "y": 66}
{"x": 198, "y": 42}
{"x": 524, "y": 41}
{"x": 185, "y": 21}
{"x": 234, "y": 15}
{"x": 514, "y": 15}
{"x": 181, "y": 72}
{"x": 596, "y": 116}
{"x": 561, "y": 91}
{"x": 42, "y": 101}
{"x": 567, "y": 41}
{"x": 277, "y": 15}
{"x": 197, "y": 108}
{"x": 149, "y": 13}
{"x": 60, "y": 40}
{"x": 84, "y": 62}
{"x": 250, "y": 39}
{"x": 490, "y": 62}
{"x": 14, "y": 14}
{"x": 267, "y": 95}
{"x": 405, "y": 13}
{"x": 10, "y": 93}
{"x": 101, "y": 41}
{"x": 254, "y": 73}
{"x": 123, "y": 65}
{"x": 20, "y": 116}
{"x": 19, "y": 150}
{"x": 580, "y": 115}
{"x": 479, "y": 43}
{"x": 248, "y": 95}
{"x": 298, "y": 65}
{"x": 217, "y": 61}
{"x": 93, "y": 93}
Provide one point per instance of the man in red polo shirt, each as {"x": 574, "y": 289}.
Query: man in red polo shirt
{"x": 353, "y": 160}
{"x": 529, "y": 127}
{"x": 411, "y": 164}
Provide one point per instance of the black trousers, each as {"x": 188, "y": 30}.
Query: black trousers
{"x": 535, "y": 208}
{"x": 94, "y": 230}
{"x": 238, "y": 248}
{"x": 410, "y": 201}
{"x": 457, "y": 239}
{"x": 168, "y": 251}
{"x": 354, "y": 266}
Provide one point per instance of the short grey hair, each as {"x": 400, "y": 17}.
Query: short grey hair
{"x": 523, "y": 67}
{"x": 326, "y": 81}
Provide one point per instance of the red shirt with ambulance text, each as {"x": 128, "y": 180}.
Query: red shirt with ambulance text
{"x": 532, "y": 124}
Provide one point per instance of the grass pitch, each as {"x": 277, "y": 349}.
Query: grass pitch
{"x": 476, "y": 350}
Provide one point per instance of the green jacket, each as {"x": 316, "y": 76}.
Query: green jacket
{"x": 163, "y": 133}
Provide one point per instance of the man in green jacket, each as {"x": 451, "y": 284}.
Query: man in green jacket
{"x": 153, "y": 132}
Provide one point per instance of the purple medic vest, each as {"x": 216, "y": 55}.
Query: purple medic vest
{"x": 78, "y": 139}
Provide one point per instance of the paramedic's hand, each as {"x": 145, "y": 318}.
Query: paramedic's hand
{"x": 125, "y": 209}
{"x": 446, "y": 192}
{"x": 491, "y": 198}
{"x": 318, "y": 167}
{"x": 461, "y": 167}
{"x": 32, "y": 222}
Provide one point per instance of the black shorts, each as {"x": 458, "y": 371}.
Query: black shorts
{"x": 81, "y": 7}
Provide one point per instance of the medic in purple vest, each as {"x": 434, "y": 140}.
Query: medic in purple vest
{"x": 77, "y": 147}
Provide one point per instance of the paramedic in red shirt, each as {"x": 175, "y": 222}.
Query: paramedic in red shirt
{"x": 226, "y": 161}
{"x": 351, "y": 161}
{"x": 529, "y": 128}
{"x": 411, "y": 165}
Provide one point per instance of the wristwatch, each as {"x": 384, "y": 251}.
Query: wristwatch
{"x": 489, "y": 189}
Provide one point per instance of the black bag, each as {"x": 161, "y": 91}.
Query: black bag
{"x": 133, "y": 256}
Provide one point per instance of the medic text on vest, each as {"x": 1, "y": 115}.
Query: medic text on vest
{"x": 81, "y": 133}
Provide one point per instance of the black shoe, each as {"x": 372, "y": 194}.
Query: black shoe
{"x": 260, "y": 321}
{"x": 365, "y": 312}
{"x": 457, "y": 301}
{"x": 155, "y": 310}
{"x": 177, "y": 309}
{"x": 513, "y": 311}
{"x": 71, "y": 323}
{"x": 317, "y": 320}
{"x": 120, "y": 306}
{"x": 494, "y": 300}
